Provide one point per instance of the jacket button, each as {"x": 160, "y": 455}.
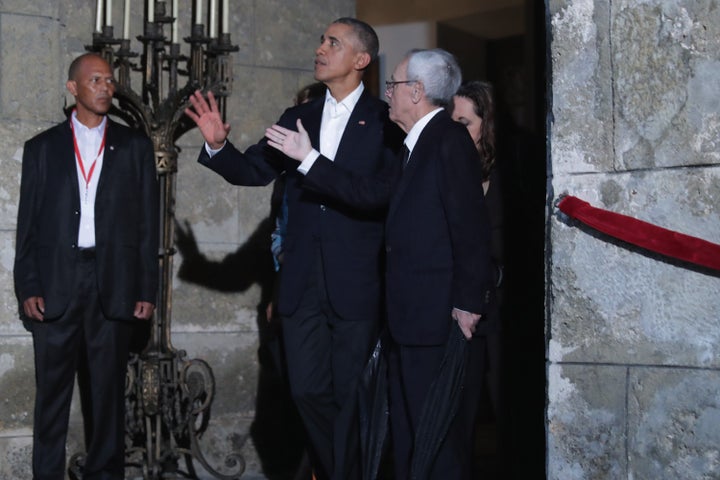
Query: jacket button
{"x": 323, "y": 207}
{"x": 388, "y": 249}
{"x": 73, "y": 246}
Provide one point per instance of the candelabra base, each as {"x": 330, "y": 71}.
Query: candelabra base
{"x": 168, "y": 400}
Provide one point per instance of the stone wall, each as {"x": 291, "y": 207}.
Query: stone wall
{"x": 277, "y": 40}
{"x": 634, "y": 355}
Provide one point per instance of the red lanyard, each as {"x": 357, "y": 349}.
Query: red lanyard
{"x": 87, "y": 177}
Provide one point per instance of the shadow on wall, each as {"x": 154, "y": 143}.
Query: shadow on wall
{"x": 276, "y": 430}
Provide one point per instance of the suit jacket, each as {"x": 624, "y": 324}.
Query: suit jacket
{"x": 438, "y": 236}
{"x": 437, "y": 230}
{"x": 126, "y": 221}
{"x": 350, "y": 239}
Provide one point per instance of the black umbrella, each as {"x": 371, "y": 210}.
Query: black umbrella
{"x": 441, "y": 405}
{"x": 373, "y": 410}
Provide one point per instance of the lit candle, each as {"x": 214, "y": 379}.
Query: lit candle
{"x": 98, "y": 16}
{"x": 151, "y": 11}
{"x": 198, "y": 12}
{"x": 108, "y": 13}
{"x": 126, "y": 21}
{"x": 225, "y": 16}
{"x": 175, "y": 13}
{"x": 213, "y": 19}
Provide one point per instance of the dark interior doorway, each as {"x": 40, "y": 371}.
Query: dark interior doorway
{"x": 516, "y": 66}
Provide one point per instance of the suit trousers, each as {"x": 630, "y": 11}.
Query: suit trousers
{"x": 326, "y": 354}
{"x": 58, "y": 344}
{"x": 411, "y": 371}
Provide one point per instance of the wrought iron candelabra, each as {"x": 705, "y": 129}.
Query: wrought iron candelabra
{"x": 168, "y": 396}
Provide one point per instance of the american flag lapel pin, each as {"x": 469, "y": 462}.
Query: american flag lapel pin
{"x": 361, "y": 122}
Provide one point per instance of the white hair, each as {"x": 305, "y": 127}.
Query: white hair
{"x": 439, "y": 73}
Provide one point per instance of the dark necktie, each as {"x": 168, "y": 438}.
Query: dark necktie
{"x": 405, "y": 155}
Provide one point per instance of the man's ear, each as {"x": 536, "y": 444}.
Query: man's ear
{"x": 71, "y": 86}
{"x": 362, "y": 61}
{"x": 418, "y": 91}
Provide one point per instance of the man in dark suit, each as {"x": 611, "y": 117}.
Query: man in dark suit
{"x": 330, "y": 290}
{"x": 437, "y": 242}
{"x": 86, "y": 265}
{"x": 438, "y": 261}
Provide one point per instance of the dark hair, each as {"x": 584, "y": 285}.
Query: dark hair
{"x": 365, "y": 33}
{"x": 310, "y": 92}
{"x": 75, "y": 65}
{"x": 481, "y": 95}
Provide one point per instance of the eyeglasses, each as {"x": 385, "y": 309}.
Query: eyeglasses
{"x": 390, "y": 85}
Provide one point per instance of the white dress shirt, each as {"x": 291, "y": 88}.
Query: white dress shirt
{"x": 88, "y": 142}
{"x": 334, "y": 120}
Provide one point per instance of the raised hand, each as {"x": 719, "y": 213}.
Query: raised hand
{"x": 206, "y": 116}
{"x": 295, "y": 145}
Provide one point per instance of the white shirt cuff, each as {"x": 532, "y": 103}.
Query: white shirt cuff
{"x": 212, "y": 152}
{"x": 308, "y": 162}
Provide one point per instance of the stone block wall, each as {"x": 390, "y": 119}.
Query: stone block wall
{"x": 634, "y": 340}
{"x": 277, "y": 40}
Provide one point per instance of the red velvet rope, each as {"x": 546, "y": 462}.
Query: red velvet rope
{"x": 646, "y": 235}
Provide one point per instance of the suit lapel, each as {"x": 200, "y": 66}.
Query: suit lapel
{"x": 111, "y": 142}
{"x": 418, "y": 157}
{"x": 313, "y": 121}
{"x": 351, "y": 140}
{"x": 405, "y": 178}
{"x": 69, "y": 162}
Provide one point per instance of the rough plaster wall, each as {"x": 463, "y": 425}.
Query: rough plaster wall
{"x": 277, "y": 40}
{"x": 634, "y": 362}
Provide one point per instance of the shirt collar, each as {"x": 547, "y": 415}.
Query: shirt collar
{"x": 79, "y": 127}
{"x": 347, "y": 104}
{"x": 414, "y": 133}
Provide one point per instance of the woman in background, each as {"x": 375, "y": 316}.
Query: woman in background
{"x": 473, "y": 107}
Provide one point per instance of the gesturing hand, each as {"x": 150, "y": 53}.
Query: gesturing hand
{"x": 295, "y": 145}
{"x": 207, "y": 117}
